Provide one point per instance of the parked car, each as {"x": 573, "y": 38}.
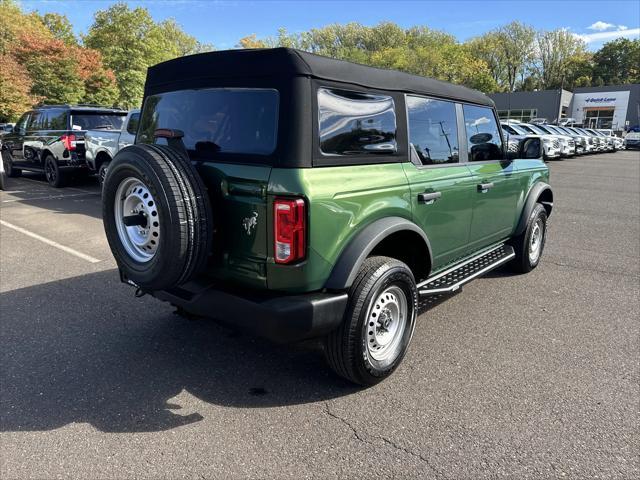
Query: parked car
{"x": 567, "y": 122}
{"x": 101, "y": 145}
{"x": 580, "y": 142}
{"x": 551, "y": 143}
{"x": 632, "y": 140}
{"x": 50, "y": 139}
{"x": 3, "y": 177}
{"x": 6, "y": 128}
{"x": 616, "y": 142}
{"x": 606, "y": 145}
{"x": 567, "y": 143}
{"x": 538, "y": 121}
{"x": 301, "y": 196}
{"x": 597, "y": 142}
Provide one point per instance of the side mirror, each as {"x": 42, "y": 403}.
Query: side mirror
{"x": 527, "y": 148}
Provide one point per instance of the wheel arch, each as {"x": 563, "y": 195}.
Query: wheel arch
{"x": 394, "y": 237}
{"x": 540, "y": 193}
{"x": 101, "y": 157}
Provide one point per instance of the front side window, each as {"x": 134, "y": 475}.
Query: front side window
{"x": 355, "y": 123}
{"x": 21, "y": 124}
{"x": 483, "y": 136}
{"x": 215, "y": 121}
{"x": 433, "y": 130}
{"x": 35, "y": 122}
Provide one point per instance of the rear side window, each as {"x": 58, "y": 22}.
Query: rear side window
{"x": 134, "y": 121}
{"x": 215, "y": 121}
{"x": 433, "y": 130}
{"x": 54, "y": 119}
{"x": 483, "y": 137}
{"x": 355, "y": 123}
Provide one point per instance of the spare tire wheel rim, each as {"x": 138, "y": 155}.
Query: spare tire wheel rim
{"x": 137, "y": 219}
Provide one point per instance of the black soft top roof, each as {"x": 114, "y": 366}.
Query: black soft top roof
{"x": 288, "y": 62}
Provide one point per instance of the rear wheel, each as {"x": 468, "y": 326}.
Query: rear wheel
{"x": 157, "y": 216}
{"x": 9, "y": 169}
{"x": 52, "y": 172}
{"x": 378, "y": 325}
{"x": 102, "y": 172}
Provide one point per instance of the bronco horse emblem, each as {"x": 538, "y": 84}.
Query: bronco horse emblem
{"x": 250, "y": 222}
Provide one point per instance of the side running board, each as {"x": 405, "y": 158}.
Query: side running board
{"x": 453, "y": 278}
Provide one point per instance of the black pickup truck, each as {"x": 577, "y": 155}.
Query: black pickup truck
{"x": 50, "y": 139}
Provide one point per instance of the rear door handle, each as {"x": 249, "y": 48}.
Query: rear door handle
{"x": 429, "y": 198}
{"x": 484, "y": 187}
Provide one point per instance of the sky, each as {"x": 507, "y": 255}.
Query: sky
{"x": 224, "y": 22}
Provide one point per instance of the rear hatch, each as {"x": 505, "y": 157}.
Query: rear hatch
{"x": 230, "y": 135}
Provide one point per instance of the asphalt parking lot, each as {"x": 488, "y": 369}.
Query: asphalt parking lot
{"x": 532, "y": 376}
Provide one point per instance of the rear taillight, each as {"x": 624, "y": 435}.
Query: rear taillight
{"x": 289, "y": 230}
{"x": 69, "y": 141}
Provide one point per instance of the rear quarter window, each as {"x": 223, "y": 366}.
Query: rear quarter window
{"x": 215, "y": 121}
{"x": 355, "y": 123}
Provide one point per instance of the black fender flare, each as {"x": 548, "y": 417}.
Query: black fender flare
{"x": 532, "y": 198}
{"x": 355, "y": 253}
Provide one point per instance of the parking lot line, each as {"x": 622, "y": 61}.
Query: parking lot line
{"x": 57, "y": 245}
{"x": 49, "y": 197}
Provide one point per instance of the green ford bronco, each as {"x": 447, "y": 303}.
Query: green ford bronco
{"x": 299, "y": 196}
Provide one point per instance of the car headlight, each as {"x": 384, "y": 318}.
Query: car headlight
{"x": 546, "y": 140}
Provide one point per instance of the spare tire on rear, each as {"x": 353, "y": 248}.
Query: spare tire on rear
{"x": 157, "y": 216}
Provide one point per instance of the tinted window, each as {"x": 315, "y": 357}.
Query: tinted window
{"x": 433, "y": 130}
{"x": 97, "y": 120}
{"x": 22, "y": 123}
{"x": 509, "y": 130}
{"x": 528, "y": 129}
{"x": 483, "y": 135}
{"x": 57, "y": 119}
{"x": 35, "y": 121}
{"x": 132, "y": 126}
{"x": 353, "y": 123}
{"x": 215, "y": 121}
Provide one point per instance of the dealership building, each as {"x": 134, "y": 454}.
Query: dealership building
{"x": 610, "y": 106}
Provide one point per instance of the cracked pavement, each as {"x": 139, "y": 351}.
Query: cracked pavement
{"x": 523, "y": 377}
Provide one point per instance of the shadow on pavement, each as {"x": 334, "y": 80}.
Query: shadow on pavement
{"x": 81, "y": 196}
{"x": 85, "y": 350}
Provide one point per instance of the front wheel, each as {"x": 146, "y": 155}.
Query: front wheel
{"x": 378, "y": 325}
{"x": 9, "y": 169}
{"x": 529, "y": 244}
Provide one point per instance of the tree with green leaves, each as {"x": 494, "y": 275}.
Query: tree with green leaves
{"x": 60, "y": 27}
{"x": 618, "y": 61}
{"x": 515, "y": 43}
{"x": 558, "y": 53}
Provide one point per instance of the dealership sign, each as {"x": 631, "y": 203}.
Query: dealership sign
{"x": 617, "y": 101}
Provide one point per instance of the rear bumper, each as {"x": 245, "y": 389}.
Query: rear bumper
{"x": 281, "y": 318}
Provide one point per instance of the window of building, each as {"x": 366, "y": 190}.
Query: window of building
{"x": 355, "y": 123}
{"x": 598, "y": 117}
{"x": 483, "y": 134}
{"x": 433, "y": 130}
{"x": 522, "y": 115}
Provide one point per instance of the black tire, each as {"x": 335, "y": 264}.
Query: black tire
{"x": 9, "y": 169}
{"x": 346, "y": 347}
{"x": 52, "y": 172}
{"x": 102, "y": 172}
{"x": 523, "y": 263}
{"x": 183, "y": 212}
